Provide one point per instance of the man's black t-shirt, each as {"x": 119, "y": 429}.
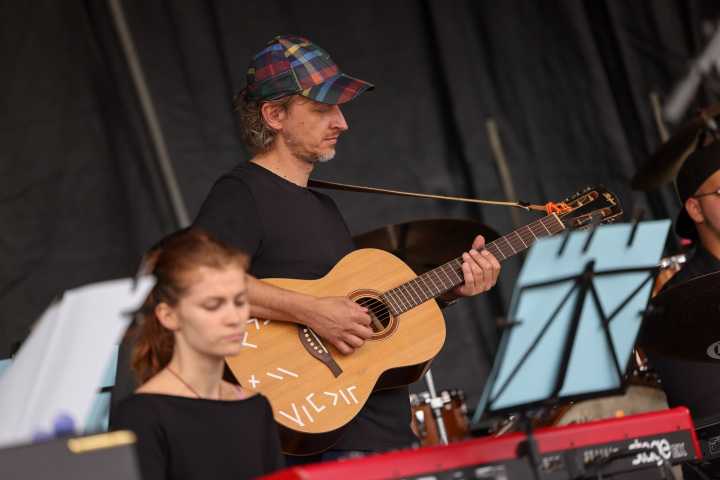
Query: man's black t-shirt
{"x": 294, "y": 232}
{"x": 288, "y": 231}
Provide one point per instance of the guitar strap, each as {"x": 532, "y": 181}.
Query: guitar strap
{"x": 352, "y": 188}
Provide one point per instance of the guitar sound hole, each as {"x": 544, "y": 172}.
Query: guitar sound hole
{"x": 379, "y": 314}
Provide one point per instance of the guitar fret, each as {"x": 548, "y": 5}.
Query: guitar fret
{"x": 387, "y": 297}
{"x": 453, "y": 268}
{"x": 403, "y": 292}
{"x": 445, "y": 286}
{"x": 508, "y": 242}
{"x": 410, "y": 290}
{"x": 414, "y": 283}
{"x": 416, "y": 293}
{"x": 434, "y": 285}
{"x": 546, "y": 229}
{"x": 533, "y": 234}
{"x": 435, "y": 279}
{"x": 412, "y": 299}
{"x": 430, "y": 287}
{"x": 444, "y": 278}
{"x": 518, "y": 236}
{"x": 395, "y": 292}
{"x": 495, "y": 250}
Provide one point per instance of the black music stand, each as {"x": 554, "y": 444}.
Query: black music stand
{"x": 576, "y": 310}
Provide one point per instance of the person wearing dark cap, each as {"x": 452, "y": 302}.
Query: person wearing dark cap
{"x": 695, "y": 385}
{"x": 698, "y": 186}
{"x": 291, "y": 117}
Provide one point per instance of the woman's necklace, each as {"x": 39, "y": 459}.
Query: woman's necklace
{"x": 167, "y": 367}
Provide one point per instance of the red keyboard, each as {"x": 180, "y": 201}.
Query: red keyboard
{"x": 636, "y": 446}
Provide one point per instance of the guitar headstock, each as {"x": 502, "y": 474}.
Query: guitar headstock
{"x": 592, "y": 205}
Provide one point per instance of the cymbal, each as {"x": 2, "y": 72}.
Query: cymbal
{"x": 686, "y": 325}
{"x": 426, "y": 243}
{"x": 663, "y": 164}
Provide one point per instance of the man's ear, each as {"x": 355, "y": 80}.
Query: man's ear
{"x": 274, "y": 115}
{"x": 694, "y": 210}
{"x": 167, "y": 316}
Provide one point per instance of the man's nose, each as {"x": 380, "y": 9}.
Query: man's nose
{"x": 339, "y": 120}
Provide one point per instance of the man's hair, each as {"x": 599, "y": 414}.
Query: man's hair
{"x": 258, "y": 135}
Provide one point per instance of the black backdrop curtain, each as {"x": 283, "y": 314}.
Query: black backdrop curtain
{"x": 566, "y": 84}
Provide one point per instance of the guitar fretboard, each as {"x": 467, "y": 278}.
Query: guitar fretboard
{"x": 445, "y": 277}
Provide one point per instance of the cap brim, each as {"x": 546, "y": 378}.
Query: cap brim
{"x": 337, "y": 90}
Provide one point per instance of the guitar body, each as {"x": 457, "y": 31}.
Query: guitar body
{"x": 311, "y": 405}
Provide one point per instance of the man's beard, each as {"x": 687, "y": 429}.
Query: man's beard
{"x": 312, "y": 158}
{"x": 315, "y": 158}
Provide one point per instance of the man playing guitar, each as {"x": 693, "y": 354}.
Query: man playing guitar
{"x": 292, "y": 120}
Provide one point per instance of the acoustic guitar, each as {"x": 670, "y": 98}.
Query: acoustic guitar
{"x": 315, "y": 390}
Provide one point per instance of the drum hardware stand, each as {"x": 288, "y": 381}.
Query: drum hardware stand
{"x": 422, "y": 429}
{"x": 436, "y": 405}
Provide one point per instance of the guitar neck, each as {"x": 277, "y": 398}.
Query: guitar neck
{"x": 445, "y": 277}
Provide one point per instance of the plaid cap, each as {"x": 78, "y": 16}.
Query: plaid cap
{"x": 292, "y": 64}
{"x": 697, "y": 167}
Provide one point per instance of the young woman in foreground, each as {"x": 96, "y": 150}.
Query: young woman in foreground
{"x": 189, "y": 422}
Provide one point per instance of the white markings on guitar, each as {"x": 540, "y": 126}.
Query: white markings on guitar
{"x": 245, "y": 344}
{"x": 297, "y": 418}
{"x": 349, "y": 390}
{"x": 334, "y": 395}
{"x": 257, "y": 327}
{"x": 282, "y": 370}
{"x": 313, "y": 405}
{"x": 307, "y": 414}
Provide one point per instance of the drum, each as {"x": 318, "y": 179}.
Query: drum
{"x": 637, "y": 399}
{"x": 454, "y": 414}
{"x": 668, "y": 267}
{"x": 639, "y": 371}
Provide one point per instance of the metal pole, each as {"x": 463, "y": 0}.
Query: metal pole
{"x": 436, "y": 404}
{"x": 149, "y": 114}
{"x": 503, "y": 169}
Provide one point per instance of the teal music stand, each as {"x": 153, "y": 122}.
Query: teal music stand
{"x": 576, "y": 310}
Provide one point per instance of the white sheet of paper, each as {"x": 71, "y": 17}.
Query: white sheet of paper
{"x": 58, "y": 369}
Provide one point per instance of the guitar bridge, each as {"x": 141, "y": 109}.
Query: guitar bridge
{"x": 315, "y": 347}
